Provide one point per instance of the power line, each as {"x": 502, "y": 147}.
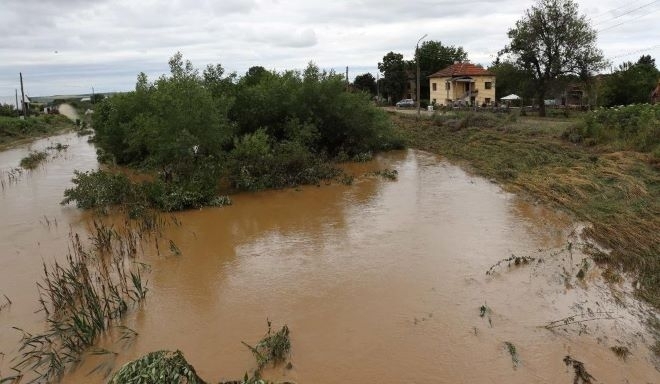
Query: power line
{"x": 636, "y": 51}
{"x": 628, "y": 12}
{"x": 598, "y": 16}
{"x": 626, "y": 21}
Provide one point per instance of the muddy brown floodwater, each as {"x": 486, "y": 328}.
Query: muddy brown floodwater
{"x": 381, "y": 281}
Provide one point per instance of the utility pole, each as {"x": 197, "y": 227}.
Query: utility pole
{"x": 417, "y": 60}
{"x": 346, "y": 77}
{"x": 92, "y": 95}
{"x": 22, "y": 96}
{"x": 16, "y": 94}
{"x": 378, "y": 87}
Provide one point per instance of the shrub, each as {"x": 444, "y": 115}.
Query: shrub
{"x": 634, "y": 127}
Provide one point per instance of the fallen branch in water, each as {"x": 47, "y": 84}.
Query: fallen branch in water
{"x": 577, "y": 319}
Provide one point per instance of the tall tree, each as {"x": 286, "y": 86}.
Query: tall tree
{"x": 366, "y": 83}
{"x": 433, "y": 56}
{"x": 393, "y": 69}
{"x": 631, "y": 82}
{"x": 552, "y": 40}
{"x": 512, "y": 79}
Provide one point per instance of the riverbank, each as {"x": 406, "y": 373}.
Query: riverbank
{"x": 618, "y": 192}
{"x": 15, "y": 131}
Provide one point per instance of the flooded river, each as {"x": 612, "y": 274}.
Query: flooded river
{"x": 380, "y": 281}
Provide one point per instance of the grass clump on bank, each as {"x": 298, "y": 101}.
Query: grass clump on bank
{"x": 204, "y": 133}
{"x": 617, "y": 192}
{"x": 13, "y": 129}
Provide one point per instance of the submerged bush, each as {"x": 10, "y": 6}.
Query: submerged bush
{"x": 99, "y": 189}
{"x": 264, "y": 130}
{"x": 32, "y": 160}
{"x": 158, "y": 367}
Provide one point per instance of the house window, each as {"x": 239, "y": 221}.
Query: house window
{"x": 447, "y": 85}
{"x": 433, "y": 85}
{"x": 489, "y": 85}
{"x": 488, "y": 100}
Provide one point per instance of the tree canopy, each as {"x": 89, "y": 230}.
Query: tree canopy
{"x": 366, "y": 83}
{"x": 393, "y": 68}
{"x": 552, "y": 40}
{"x": 433, "y": 56}
{"x": 631, "y": 82}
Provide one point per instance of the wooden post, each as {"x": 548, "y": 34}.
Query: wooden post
{"x": 23, "y": 97}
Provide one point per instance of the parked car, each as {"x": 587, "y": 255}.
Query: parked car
{"x": 405, "y": 103}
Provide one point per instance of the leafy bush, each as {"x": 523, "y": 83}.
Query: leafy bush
{"x": 99, "y": 189}
{"x": 633, "y": 127}
{"x": 266, "y": 130}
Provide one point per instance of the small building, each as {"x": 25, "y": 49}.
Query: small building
{"x": 462, "y": 82}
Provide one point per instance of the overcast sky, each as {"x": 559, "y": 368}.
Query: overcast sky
{"x": 69, "y": 46}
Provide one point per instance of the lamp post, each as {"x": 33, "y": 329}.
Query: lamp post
{"x": 417, "y": 60}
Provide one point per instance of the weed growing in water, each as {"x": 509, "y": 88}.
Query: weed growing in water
{"x": 6, "y": 302}
{"x": 274, "y": 347}
{"x": 581, "y": 374}
{"x": 621, "y": 351}
{"x": 516, "y": 260}
{"x": 85, "y": 297}
{"x": 389, "y": 174}
{"x": 59, "y": 147}
{"x": 514, "y": 354}
{"x": 485, "y": 311}
{"x": 158, "y": 367}
{"x": 32, "y": 160}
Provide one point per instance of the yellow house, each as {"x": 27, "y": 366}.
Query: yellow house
{"x": 462, "y": 82}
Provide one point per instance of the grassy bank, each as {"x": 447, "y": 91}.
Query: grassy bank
{"x": 14, "y": 130}
{"x": 559, "y": 162}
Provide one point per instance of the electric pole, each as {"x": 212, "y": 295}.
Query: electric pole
{"x": 22, "y": 96}
{"x": 417, "y": 60}
{"x": 346, "y": 77}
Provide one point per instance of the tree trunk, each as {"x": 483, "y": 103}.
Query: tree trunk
{"x": 541, "y": 93}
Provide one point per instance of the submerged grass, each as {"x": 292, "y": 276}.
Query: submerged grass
{"x": 617, "y": 192}
{"x": 85, "y": 297}
{"x": 171, "y": 367}
{"x": 32, "y": 160}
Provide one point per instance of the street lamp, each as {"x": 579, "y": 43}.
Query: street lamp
{"x": 417, "y": 60}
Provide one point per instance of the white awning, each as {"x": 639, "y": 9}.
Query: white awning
{"x": 511, "y": 97}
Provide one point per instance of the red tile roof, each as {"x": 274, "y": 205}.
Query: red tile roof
{"x": 462, "y": 69}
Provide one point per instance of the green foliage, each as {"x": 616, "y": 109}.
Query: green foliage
{"x": 158, "y": 367}
{"x": 32, "y": 160}
{"x": 631, "y": 82}
{"x": 265, "y": 130}
{"x": 634, "y": 127}
{"x": 512, "y": 79}
{"x": 433, "y": 56}
{"x": 394, "y": 79}
{"x": 273, "y": 348}
{"x": 13, "y": 128}
{"x": 8, "y": 110}
{"x": 552, "y": 40}
{"x": 366, "y": 83}
{"x": 98, "y": 189}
